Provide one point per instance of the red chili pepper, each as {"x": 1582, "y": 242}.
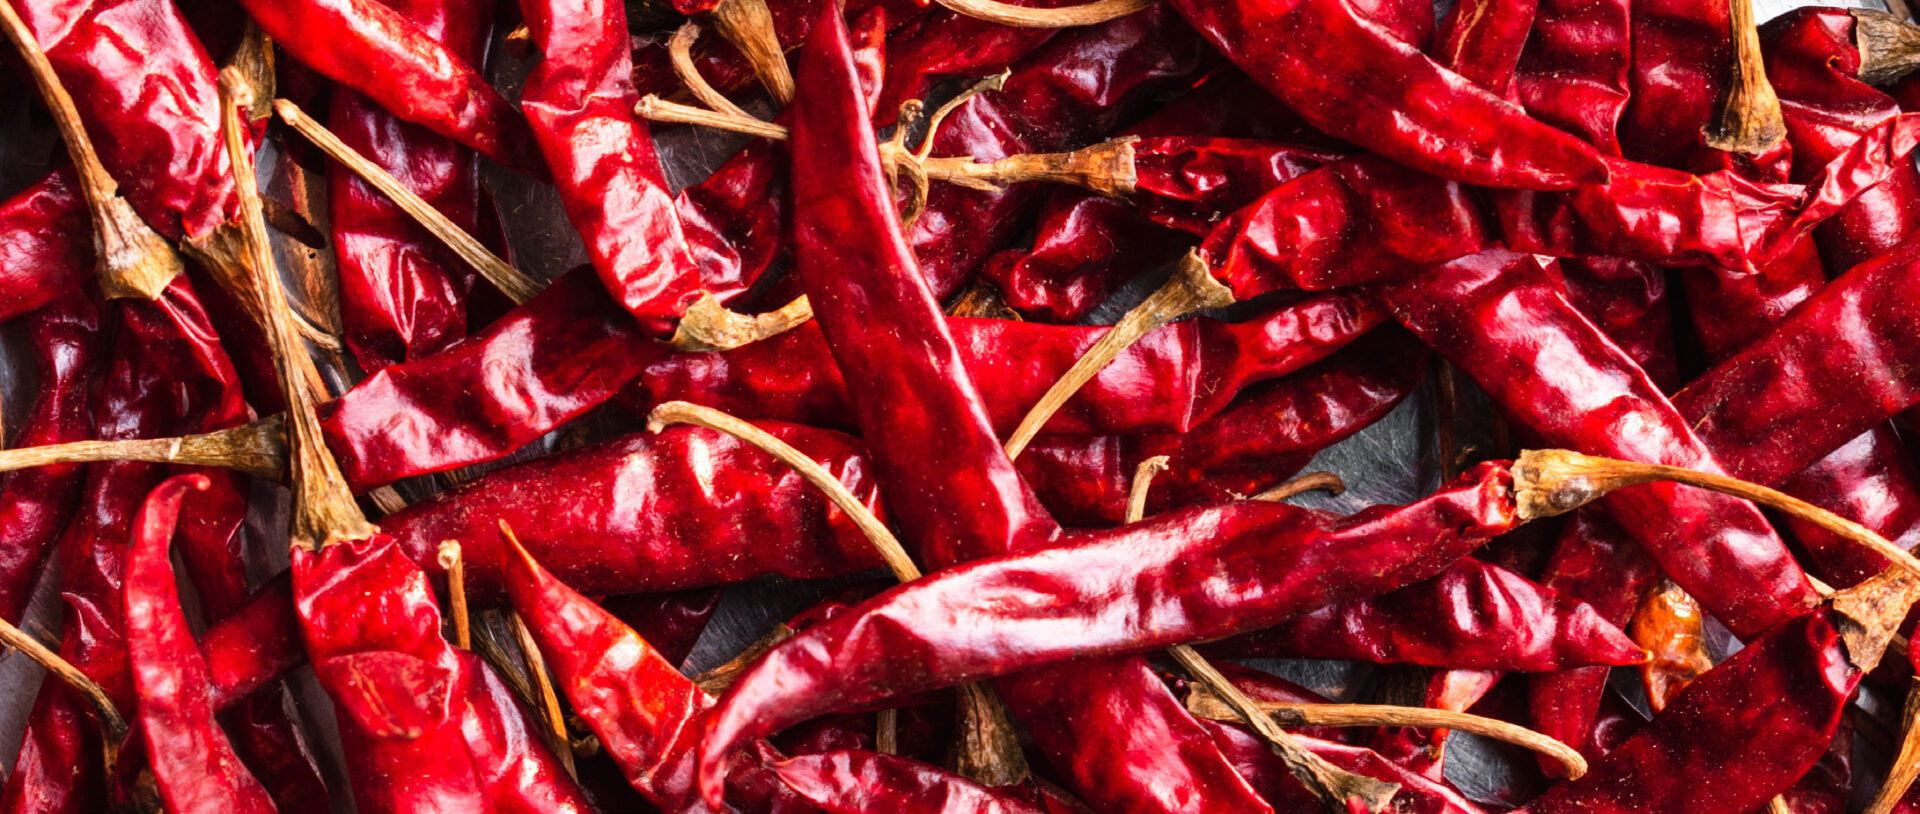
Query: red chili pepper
{"x": 1573, "y": 70}
{"x": 1598, "y": 562}
{"x": 193, "y": 762}
{"x": 671, "y": 622}
{"x": 1356, "y": 82}
{"x": 1496, "y": 620}
{"x": 35, "y": 504}
{"x": 1681, "y": 51}
{"x": 1254, "y": 759}
{"x": 1468, "y": 311}
{"x": 253, "y": 644}
{"x": 40, "y": 260}
{"x": 402, "y": 292}
{"x": 1131, "y": 590}
{"x": 1627, "y": 300}
{"x": 1482, "y": 41}
{"x": 725, "y": 68}
{"x": 864, "y": 782}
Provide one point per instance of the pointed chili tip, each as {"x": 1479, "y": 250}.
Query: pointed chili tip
{"x": 714, "y": 749}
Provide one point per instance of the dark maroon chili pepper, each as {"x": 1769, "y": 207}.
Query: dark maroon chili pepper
{"x": 1130, "y": 590}
{"x": 1495, "y": 620}
{"x": 1573, "y": 70}
{"x": 1109, "y": 726}
{"x": 1681, "y": 52}
{"x": 402, "y": 292}
{"x": 35, "y": 504}
{"x": 194, "y": 764}
{"x": 864, "y": 782}
{"x": 1482, "y": 41}
{"x": 1355, "y": 82}
{"x": 1559, "y": 377}
{"x": 40, "y": 258}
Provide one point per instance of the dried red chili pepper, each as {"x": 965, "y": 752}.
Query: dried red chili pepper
{"x": 1253, "y": 759}
{"x": 1627, "y": 300}
{"x": 863, "y": 782}
{"x": 1681, "y": 52}
{"x": 40, "y": 259}
{"x": 1355, "y": 82}
{"x": 194, "y": 764}
{"x": 1496, "y": 620}
{"x": 1573, "y": 70}
{"x": 672, "y": 622}
{"x": 1596, "y": 561}
{"x": 1482, "y": 40}
{"x": 36, "y": 504}
{"x": 402, "y": 293}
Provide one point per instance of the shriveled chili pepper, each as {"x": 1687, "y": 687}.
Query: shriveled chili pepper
{"x": 1573, "y": 70}
{"x": 726, "y": 69}
{"x": 402, "y": 292}
{"x": 1680, "y": 56}
{"x": 1355, "y": 82}
{"x": 1627, "y": 300}
{"x": 40, "y": 258}
{"x": 856, "y": 782}
{"x": 1598, "y": 562}
{"x": 194, "y": 764}
{"x": 1482, "y": 41}
{"x": 1609, "y": 406}
{"x": 36, "y": 504}
{"x": 1497, "y": 620}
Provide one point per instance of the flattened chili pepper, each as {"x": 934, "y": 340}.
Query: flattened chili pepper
{"x": 402, "y": 292}
{"x": 36, "y": 504}
{"x": 194, "y": 764}
{"x": 1681, "y": 51}
{"x": 1495, "y": 620}
{"x": 1573, "y": 70}
{"x": 1355, "y": 82}
{"x": 1464, "y": 310}
{"x": 40, "y": 258}
{"x": 853, "y": 782}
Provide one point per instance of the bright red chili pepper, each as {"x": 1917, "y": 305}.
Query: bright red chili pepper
{"x": 1627, "y": 300}
{"x": 35, "y": 504}
{"x": 1573, "y": 70}
{"x": 1598, "y": 562}
{"x": 1482, "y": 41}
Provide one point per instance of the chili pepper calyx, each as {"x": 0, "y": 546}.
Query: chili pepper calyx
{"x": 708, "y": 325}
{"x": 989, "y": 750}
{"x": 1748, "y": 119}
{"x": 252, "y": 59}
{"x": 1889, "y": 46}
{"x": 1093, "y": 13}
{"x": 749, "y": 26}
{"x": 1870, "y": 614}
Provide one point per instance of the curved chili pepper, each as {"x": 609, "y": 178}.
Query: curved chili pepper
{"x": 1355, "y": 82}
{"x": 1496, "y": 620}
{"x": 402, "y": 292}
{"x": 861, "y": 782}
{"x": 1130, "y": 590}
{"x": 36, "y": 504}
{"x": 1559, "y": 377}
{"x": 40, "y": 258}
{"x": 194, "y": 764}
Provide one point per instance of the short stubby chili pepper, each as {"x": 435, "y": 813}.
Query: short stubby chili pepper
{"x": 1559, "y": 377}
{"x": 194, "y": 765}
{"x": 1130, "y": 590}
{"x": 1121, "y": 740}
{"x": 1356, "y": 82}
{"x": 402, "y": 292}
{"x": 40, "y": 258}
{"x": 36, "y": 504}
{"x": 1497, "y": 620}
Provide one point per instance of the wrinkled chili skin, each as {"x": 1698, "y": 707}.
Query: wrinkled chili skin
{"x": 1495, "y": 620}
{"x": 1356, "y": 82}
{"x": 1255, "y": 760}
{"x": 1482, "y": 41}
{"x": 1733, "y": 739}
{"x": 1142, "y": 587}
{"x": 1680, "y": 56}
{"x": 1628, "y": 301}
{"x": 402, "y": 292}
{"x": 1573, "y": 70}
{"x": 1557, "y": 375}
{"x": 253, "y": 644}
{"x": 35, "y": 504}
{"x": 1598, "y": 562}
{"x": 1120, "y": 739}
{"x": 193, "y": 763}
{"x": 40, "y": 260}
{"x": 579, "y": 100}
{"x": 860, "y": 782}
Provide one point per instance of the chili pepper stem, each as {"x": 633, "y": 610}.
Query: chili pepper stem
{"x": 490, "y": 651}
{"x": 257, "y": 449}
{"x": 680, "y": 52}
{"x": 549, "y": 707}
{"x": 511, "y": 281}
{"x": 654, "y": 108}
{"x": 749, "y": 26}
{"x": 1092, "y": 13}
{"x": 987, "y": 742}
{"x": 1889, "y": 45}
{"x": 708, "y": 325}
{"x": 113, "y": 727}
{"x": 1326, "y": 481}
{"x": 1748, "y": 119}
{"x": 450, "y": 561}
{"x": 133, "y": 260}
{"x": 1906, "y": 765}
{"x": 1143, "y": 474}
{"x": 1192, "y": 288}
{"x": 715, "y": 682}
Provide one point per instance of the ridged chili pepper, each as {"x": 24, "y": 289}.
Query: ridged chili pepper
{"x": 40, "y": 260}
{"x": 1107, "y": 725}
{"x": 1355, "y": 82}
{"x": 194, "y": 765}
{"x": 1496, "y": 620}
{"x": 1609, "y": 406}
{"x": 402, "y": 292}
{"x": 36, "y": 504}
{"x": 1131, "y": 590}
{"x": 1573, "y": 70}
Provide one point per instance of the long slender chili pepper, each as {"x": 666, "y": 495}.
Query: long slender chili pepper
{"x": 35, "y": 505}
{"x": 194, "y": 764}
{"x": 402, "y": 294}
{"x": 1356, "y": 82}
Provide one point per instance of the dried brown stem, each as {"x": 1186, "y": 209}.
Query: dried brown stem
{"x": 680, "y": 52}
{"x": 653, "y": 108}
{"x": 1906, "y": 766}
{"x": 1889, "y": 45}
{"x": 988, "y": 752}
{"x": 1333, "y": 785}
{"x": 549, "y": 706}
{"x": 1142, "y": 482}
{"x": 983, "y": 301}
{"x": 324, "y": 511}
{"x": 1672, "y": 627}
{"x": 1192, "y": 288}
{"x": 1869, "y": 614}
{"x": 490, "y": 651}
{"x": 886, "y": 731}
{"x": 456, "y": 567}
{"x": 708, "y": 325}
{"x": 1554, "y": 481}
{"x": 1208, "y": 705}
{"x": 1323, "y": 481}
{"x": 716, "y": 681}
{"x": 1092, "y": 13}
{"x": 511, "y": 281}
{"x": 258, "y": 449}
{"x": 113, "y": 727}
{"x": 1748, "y": 119}
{"x": 749, "y": 26}
{"x": 132, "y": 259}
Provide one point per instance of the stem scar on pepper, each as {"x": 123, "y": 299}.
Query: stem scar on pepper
{"x": 133, "y": 260}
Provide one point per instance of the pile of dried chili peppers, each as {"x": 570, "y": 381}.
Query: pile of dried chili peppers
{"x": 397, "y": 459}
